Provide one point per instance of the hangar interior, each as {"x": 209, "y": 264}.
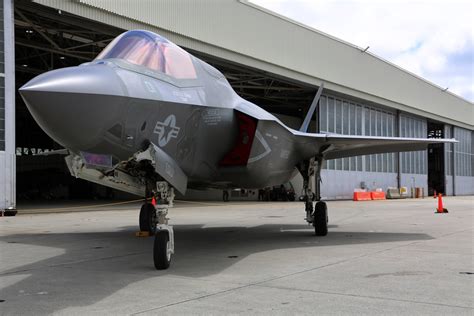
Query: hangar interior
{"x": 47, "y": 38}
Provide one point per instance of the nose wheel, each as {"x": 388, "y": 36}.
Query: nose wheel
{"x": 162, "y": 250}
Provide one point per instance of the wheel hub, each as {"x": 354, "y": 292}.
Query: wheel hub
{"x": 168, "y": 250}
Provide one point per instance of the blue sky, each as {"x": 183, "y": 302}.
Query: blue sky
{"x": 431, "y": 38}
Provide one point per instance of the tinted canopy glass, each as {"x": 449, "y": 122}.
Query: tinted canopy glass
{"x": 150, "y": 50}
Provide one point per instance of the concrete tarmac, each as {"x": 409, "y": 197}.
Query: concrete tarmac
{"x": 380, "y": 257}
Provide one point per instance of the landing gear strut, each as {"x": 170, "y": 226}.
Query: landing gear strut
{"x": 163, "y": 246}
{"x": 153, "y": 220}
{"x": 317, "y": 216}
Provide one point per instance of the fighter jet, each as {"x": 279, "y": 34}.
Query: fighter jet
{"x": 146, "y": 117}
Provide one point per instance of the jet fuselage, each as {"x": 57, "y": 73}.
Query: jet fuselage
{"x": 115, "y": 108}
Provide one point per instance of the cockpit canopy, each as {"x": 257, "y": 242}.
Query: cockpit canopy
{"x": 152, "y": 51}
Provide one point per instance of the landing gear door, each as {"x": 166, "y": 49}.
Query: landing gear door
{"x": 165, "y": 166}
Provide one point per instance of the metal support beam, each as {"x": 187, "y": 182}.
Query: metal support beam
{"x": 398, "y": 155}
{"x": 37, "y": 29}
{"x": 51, "y": 50}
{"x": 453, "y": 159}
{"x": 67, "y": 19}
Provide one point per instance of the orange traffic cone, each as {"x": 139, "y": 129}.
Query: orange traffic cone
{"x": 440, "y": 208}
{"x": 153, "y": 201}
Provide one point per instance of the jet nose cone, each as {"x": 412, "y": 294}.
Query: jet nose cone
{"x": 72, "y": 105}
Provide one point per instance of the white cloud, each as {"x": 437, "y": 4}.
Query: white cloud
{"x": 428, "y": 38}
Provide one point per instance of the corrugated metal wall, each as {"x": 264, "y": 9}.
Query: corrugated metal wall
{"x": 349, "y": 117}
{"x": 341, "y": 176}
{"x": 238, "y": 31}
{"x": 448, "y": 164}
{"x": 414, "y": 165}
{"x": 464, "y": 161}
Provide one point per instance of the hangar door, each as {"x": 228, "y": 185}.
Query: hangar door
{"x": 7, "y": 118}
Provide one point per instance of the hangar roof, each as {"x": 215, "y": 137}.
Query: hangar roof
{"x": 242, "y": 32}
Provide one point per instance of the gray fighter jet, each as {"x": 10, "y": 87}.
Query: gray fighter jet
{"x": 146, "y": 117}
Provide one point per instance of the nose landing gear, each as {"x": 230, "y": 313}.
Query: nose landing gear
{"x": 153, "y": 220}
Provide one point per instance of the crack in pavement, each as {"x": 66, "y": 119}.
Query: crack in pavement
{"x": 364, "y": 296}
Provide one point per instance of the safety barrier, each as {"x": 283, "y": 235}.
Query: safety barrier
{"x": 368, "y": 196}
{"x": 377, "y": 195}
{"x": 393, "y": 193}
{"x": 362, "y": 196}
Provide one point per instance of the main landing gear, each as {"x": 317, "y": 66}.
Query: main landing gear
{"x": 317, "y": 216}
{"x": 153, "y": 220}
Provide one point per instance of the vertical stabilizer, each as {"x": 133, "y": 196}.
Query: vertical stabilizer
{"x": 312, "y": 108}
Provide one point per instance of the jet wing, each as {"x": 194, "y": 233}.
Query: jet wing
{"x": 341, "y": 146}
{"x": 332, "y": 146}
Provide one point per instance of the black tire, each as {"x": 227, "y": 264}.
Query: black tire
{"x": 147, "y": 218}
{"x": 161, "y": 256}
{"x": 320, "y": 222}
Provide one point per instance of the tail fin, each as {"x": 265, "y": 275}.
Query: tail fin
{"x": 312, "y": 108}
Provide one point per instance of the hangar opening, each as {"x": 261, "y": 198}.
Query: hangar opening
{"x": 436, "y": 165}
{"x": 47, "y": 39}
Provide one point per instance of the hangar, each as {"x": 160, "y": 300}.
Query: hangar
{"x": 270, "y": 60}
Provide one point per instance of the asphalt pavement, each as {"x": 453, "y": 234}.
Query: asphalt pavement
{"x": 380, "y": 257}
